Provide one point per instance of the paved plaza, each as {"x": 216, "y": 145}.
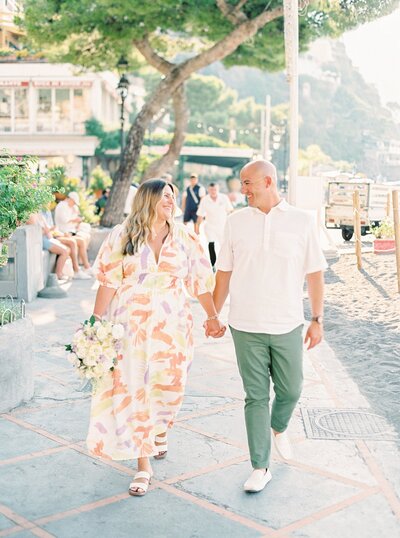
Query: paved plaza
{"x": 334, "y": 487}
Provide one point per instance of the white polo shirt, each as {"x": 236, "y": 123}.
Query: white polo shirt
{"x": 63, "y": 216}
{"x": 215, "y": 212}
{"x": 269, "y": 256}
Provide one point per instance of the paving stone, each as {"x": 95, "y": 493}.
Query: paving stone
{"x": 189, "y": 452}
{"x": 356, "y": 521}
{"x": 228, "y": 423}
{"x": 158, "y": 514}
{"x": 291, "y": 495}
{"x": 6, "y": 523}
{"x": 57, "y": 482}
{"x": 68, "y": 420}
{"x": 17, "y": 441}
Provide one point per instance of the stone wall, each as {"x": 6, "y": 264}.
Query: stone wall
{"x": 16, "y": 363}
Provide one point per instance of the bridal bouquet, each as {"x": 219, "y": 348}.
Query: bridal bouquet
{"x": 95, "y": 349}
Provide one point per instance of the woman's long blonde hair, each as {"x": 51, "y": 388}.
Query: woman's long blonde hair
{"x": 140, "y": 221}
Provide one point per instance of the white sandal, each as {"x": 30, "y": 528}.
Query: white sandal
{"x": 135, "y": 486}
{"x": 163, "y": 446}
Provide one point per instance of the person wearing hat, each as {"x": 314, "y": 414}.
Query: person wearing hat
{"x": 191, "y": 200}
{"x": 67, "y": 220}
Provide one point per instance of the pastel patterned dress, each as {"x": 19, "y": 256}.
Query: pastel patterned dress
{"x": 142, "y": 396}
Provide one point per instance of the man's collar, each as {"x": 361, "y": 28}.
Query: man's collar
{"x": 282, "y": 206}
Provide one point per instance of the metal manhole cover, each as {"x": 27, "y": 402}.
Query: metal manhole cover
{"x": 326, "y": 423}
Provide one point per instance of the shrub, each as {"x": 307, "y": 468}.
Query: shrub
{"x": 385, "y": 230}
{"x": 99, "y": 180}
{"x": 23, "y": 191}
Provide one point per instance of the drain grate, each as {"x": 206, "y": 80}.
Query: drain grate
{"x": 326, "y": 423}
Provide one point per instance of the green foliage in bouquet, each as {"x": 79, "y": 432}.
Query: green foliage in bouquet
{"x": 23, "y": 191}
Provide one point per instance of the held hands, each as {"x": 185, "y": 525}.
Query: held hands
{"x": 314, "y": 334}
{"x": 214, "y": 328}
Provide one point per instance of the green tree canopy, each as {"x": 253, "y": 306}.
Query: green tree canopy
{"x": 94, "y": 33}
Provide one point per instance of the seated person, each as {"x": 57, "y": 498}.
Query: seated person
{"x": 101, "y": 202}
{"x": 68, "y": 221}
{"x": 55, "y": 237}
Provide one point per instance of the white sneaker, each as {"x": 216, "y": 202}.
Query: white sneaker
{"x": 257, "y": 481}
{"x": 89, "y": 271}
{"x": 282, "y": 445}
{"x": 81, "y": 275}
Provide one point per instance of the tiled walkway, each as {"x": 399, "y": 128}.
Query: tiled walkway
{"x": 50, "y": 486}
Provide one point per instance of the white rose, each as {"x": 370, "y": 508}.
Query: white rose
{"x": 118, "y": 331}
{"x": 101, "y": 333}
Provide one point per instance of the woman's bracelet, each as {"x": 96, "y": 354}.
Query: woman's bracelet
{"x": 211, "y": 318}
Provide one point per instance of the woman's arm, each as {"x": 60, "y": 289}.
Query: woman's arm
{"x": 212, "y": 324}
{"x": 103, "y": 299}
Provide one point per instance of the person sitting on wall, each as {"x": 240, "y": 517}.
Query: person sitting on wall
{"x": 68, "y": 221}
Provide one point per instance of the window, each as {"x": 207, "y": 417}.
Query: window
{"x": 43, "y": 113}
{"x": 81, "y": 109}
{"x": 21, "y": 110}
{"x": 63, "y": 111}
{"x": 5, "y": 110}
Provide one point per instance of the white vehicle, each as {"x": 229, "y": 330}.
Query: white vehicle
{"x": 339, "y": 209}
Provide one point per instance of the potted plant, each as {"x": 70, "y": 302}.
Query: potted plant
{"x": 99, "y": 181}
{"x": 22, "y": 192}
{"x": 384, "y": 242}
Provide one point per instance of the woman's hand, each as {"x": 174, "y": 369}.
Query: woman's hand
{"x": 214, "y": 328}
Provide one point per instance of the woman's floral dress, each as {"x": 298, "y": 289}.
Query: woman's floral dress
{"x": 141, "y": 397}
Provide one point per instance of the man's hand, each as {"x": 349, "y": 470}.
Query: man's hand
{"x": 314, "y": 334}
{"x": 214, "y": 328}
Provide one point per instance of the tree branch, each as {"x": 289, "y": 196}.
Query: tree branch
{"x": 181, "y": 116}
{"x": 234, "y": 15}
{"x": 152, "y": 58}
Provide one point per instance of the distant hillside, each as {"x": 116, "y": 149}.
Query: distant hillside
{"x": 339, "y": 111}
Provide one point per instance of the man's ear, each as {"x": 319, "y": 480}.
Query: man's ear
{"x": 268, "y": 181}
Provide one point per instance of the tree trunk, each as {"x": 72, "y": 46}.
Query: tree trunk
{"x": 113, "y": 213}
{"x": 163, "y": 164}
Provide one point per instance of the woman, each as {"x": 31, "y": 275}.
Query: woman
{"x": 143, "y": 267}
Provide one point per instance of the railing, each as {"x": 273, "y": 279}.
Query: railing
{"x": 11, "y": 310}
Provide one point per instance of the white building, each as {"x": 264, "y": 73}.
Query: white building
{"x": 43, "y": 109}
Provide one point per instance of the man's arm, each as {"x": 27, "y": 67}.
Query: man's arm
{"x": 315, "y": 285}
{"x": 221, "y": 290}
{"x": 184, "y": 196}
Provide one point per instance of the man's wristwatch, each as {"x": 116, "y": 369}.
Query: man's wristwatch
{"x": 318, "y": 319}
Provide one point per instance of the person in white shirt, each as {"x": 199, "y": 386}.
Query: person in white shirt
{"x": 214, "y": 208}
{"x": 269, "y": 248}
{"x": 67, "y": 220}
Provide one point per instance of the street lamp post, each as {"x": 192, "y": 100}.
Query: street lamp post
{"x": 122, "y": 90}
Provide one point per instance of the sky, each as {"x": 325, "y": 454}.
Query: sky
{"x": 375, "y": 49}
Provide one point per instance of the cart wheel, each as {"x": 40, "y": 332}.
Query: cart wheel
{"x": 347, "y": 234}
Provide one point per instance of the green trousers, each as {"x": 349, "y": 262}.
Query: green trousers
{"x": 262, "y": 357}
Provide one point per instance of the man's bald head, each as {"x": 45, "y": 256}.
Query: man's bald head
{"x": 259, "y": 169}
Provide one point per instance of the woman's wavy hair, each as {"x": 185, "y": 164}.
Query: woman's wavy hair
{"x": 139, "y": 223}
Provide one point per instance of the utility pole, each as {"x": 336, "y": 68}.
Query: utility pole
{"x": 291, "y": 26}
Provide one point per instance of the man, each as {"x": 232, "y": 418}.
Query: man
{"x": 191, "y": 200}
{"x": 268, "y": 250}
{"x": 214, "y": 208}
{"x": 68, "y": 220}
{"x": 129, "y": 199}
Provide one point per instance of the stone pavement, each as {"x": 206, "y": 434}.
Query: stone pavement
{"x": 50, "y": 486}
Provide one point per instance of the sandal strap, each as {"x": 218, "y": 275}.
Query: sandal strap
{"x": 160, "y": 439}
{"x": 142, "y": 474}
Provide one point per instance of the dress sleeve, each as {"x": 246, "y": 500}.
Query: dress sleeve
{"x": 200, "y": 278}
{"x": 108, "y": 266}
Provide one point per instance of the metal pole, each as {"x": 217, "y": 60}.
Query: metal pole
{"x": 267, "y": 133}
{"x": 291, "y": 24}
{"x": 122, "y": 118}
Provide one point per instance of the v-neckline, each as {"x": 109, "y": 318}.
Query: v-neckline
{"x": 162, "y": 246}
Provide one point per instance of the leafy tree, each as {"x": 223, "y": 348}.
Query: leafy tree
{"x": 95, "y": 33}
